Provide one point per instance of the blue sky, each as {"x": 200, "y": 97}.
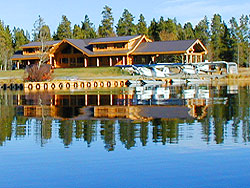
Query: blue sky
{"x": 23, "y": 13}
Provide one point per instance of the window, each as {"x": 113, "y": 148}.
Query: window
{"x": 101, "y": 46}
{"x": 80, "y": 60}
{"x": 119, "y": 45}
{"x": 72, "y": 60}
{"x": 64, "y": 60}
{"x": 30, "y": 50}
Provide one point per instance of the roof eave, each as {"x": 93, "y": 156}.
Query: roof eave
{"x": 25, "y": 58}
{"x": 112, "y": 42}
{"x": 112, "y": 55}
{"x": 109, "y": 42}
{"x": 155, "y": 53}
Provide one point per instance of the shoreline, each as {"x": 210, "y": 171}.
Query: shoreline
{"x": 113, "y": 73}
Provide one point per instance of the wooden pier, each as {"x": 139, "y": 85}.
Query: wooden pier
{"x": 71, "y": 85}
{"x": 80, "y": 84}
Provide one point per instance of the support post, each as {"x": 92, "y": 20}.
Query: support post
{"x": 98, "y": 100}
{"x": 54, "y": 62}
{"x": 50, "y": 60}
{"x": 110, "y": 61}
{"x": 86, "y": 100}
{"x": 85, "y": 62}
{"x": 187, "y": 59}
{"x": 97, "y": 62}
{"x": 153, "y": 59}
{"x": 111, "y": 99}
{"x": 123, "y": 60}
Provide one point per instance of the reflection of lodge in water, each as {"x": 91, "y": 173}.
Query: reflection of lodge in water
{"x": 83, "y": 107}
{"x": 143, "y": 104}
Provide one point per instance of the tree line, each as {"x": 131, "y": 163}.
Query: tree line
{"x": 225, "y": 41}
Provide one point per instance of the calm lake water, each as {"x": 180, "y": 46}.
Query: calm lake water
{"x": 176, "y": 136}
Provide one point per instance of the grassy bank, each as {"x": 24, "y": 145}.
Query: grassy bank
{"x": 67, "y": 73}
{"x": 88, "y": 73}
{"x": 99, "y": 73}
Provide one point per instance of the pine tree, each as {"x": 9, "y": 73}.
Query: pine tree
{"x": 46, "y": 32}
{"x": 154, "y": 31}
{"x": 106, "y": 27}
{"x": 226, "y": 50}
{"x": 244, "y": 40}
{"x": 125, "y": 24}
{"x": 38, "y": 27}
{"x": 141, "y": 26}
{"x": 202, "y": 31}
{"x": 63, "y": 30}
{"x": 41, "y": 31}
{"x": 188, "y": 31}
{"x": 19, "y": 38}
{"x": 240, "y": 37}
{"x": 168, "y": 29}
{"x": 88, "y": 28}
{"x": 216, "y": 35}
{"x": 77, "y": 32}
{"x": 6, "y": 49}
{"x": 234, "y": 33}
{"x": 180, "y": 32}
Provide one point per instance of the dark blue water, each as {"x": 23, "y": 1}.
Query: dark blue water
{"x": 188, "y": 136}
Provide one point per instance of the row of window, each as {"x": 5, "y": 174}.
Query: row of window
{"x": 70, "y": 50}
{"x": 30, "y": 50}
{"x": 105, "y": 46}
{"x": 72, "y": 60}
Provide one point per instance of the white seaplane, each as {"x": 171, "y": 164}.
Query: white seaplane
{"x": 153, "y": 73}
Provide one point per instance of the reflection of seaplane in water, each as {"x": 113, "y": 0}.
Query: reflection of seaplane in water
{"x": 151, "y": 95}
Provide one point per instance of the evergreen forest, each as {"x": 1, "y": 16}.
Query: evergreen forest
{"x": 228, "y": 41}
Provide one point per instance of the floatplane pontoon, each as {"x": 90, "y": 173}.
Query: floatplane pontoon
{"x": 154, "y": 74}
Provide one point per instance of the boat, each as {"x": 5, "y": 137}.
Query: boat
{"x": 152, "y": 82}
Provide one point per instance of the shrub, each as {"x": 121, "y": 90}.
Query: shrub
{"x": 38, "y": 74}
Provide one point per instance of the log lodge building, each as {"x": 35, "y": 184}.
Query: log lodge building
{"x": 101, "y": 52}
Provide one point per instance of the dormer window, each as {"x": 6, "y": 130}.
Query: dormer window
{"x": 119, "y": 45}
{"x": 31, "y": 50}
{"x": 101, "y": 46}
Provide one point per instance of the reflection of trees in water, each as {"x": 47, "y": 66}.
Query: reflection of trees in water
{"x": 219, "y": 123}
{"x": 206, "y": 129}
{"x": 46, "y": 131}
{"x": 165, "y": 131}
{"x": 127, "y": 133}
{"x": 144, "y": 133}
{"x": 66, "y": 131}
{"x": 85, "y": 129}
{"x": 43, "y": 130}
{"x": 6, "y": 123}
{"x": 244, "y": 114}
{"x": 108, "y": 134}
